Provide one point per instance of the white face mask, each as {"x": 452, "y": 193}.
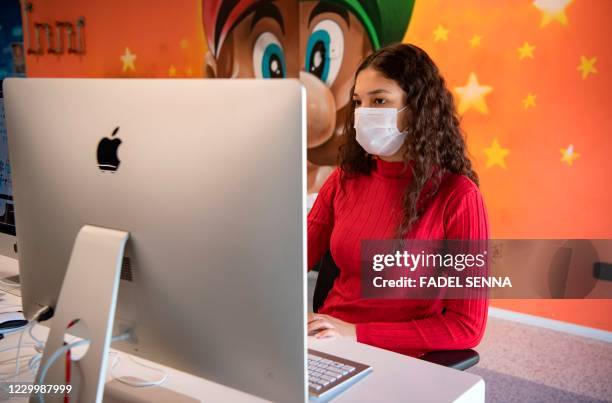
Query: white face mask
{"x": 377, "y": 130}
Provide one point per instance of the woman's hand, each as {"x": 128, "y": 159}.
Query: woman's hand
{"x": 323, "y": 326}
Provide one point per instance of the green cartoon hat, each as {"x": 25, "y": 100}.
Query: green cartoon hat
{"x": 385, "y": 21}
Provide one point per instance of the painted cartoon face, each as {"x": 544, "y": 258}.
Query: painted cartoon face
{"x": 323, "y": 52}
{"x": 262, "y": 44}
{"x": 332, "y": 44}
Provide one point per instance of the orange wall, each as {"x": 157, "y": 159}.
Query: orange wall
{"x": 166, "y": 38}
{"x": 535, "y": 194}
{"x": 530, "y": 192}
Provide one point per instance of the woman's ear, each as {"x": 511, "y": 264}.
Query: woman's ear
{"x": 210, "y": 66}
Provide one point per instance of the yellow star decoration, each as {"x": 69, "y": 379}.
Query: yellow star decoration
{"x": 184, "y": 43}
{"x": 496, "y": 154}
{"x": 552, "y": 10}
{"x": 128, "y": 60}
{"x": 172, "y": 71}
{"x": 440, "y": 34}
{"x": 189, "y": 72}
{"x": 529, "y": 101}
{"x": 472, "y": 95}
{"x": 587, "y": 66}
{"x": 568, "y": 155}
{"x": 475, "y": 41}
{"x": 526, "y": 51}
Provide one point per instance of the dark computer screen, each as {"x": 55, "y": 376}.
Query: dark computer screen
{"x": 7, "y": 216}
{"x": 12, "y": 63}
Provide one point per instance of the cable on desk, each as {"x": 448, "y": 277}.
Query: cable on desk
{"x": 137, "y": 384}
{"x": 5, "y": 376}
{"x": 62, "y": 350}
{"x": 38, "y": 345}
{"x": 19, "y": 346}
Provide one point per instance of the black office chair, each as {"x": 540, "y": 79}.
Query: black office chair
{"x": 328, "y": 271}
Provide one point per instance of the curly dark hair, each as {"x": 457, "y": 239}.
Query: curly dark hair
{"x": 435, "y": 143}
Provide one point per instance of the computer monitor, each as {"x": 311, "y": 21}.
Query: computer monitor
{"x": 209, "y": 180}
{"x": 8, "y": 238}
{"x": 12, "y": 64}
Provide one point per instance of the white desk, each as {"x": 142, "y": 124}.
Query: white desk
{"x": 398, "y": 378}
{"x": 395, "y": 378}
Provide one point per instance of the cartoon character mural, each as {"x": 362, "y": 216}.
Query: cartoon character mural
{"x": 321, "y": 42}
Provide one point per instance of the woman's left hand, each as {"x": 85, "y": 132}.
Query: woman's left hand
{"x": 323, "y": 326}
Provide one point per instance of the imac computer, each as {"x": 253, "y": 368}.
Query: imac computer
{"x": 205, "y": 179}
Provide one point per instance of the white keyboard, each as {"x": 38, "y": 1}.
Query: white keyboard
{"x": 328, "y": 374}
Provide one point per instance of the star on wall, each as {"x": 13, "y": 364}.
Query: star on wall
{"x": 440, "y": 34}
{"x": 475, "y": 41}
{"x": 552, "y": 10}
{"x": 172, "y": 71}
{"x": 568, "y": 155}
{"x": 472, "y": 95}
{"x": 529, "y": 101}
{"x": 526, "y": 51}
{"x": 496, "y": 154}
{"x": 587, "y": 66}
{"x": 128, "y": 60}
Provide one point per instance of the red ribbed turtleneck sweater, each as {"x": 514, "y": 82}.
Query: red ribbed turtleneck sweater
{"x": 369, "y": 207}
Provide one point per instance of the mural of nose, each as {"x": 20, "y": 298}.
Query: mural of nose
{"x": 321, "y": 110}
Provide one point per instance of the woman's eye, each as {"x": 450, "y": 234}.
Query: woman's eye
{"x": 379, "y": 101}
{"x": 268, "y": 57}
{"x": 324, "y": 51}
{"x": 356, "y": 102}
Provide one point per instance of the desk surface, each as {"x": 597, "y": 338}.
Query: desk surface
{"x": 395, "y": 377}
{"x": 399, "y": 378}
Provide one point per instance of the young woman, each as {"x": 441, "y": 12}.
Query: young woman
{"x": 403, "y": 173}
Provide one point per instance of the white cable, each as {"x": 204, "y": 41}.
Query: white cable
{"x": 37, "y": 346}
{"x": 20, "y": 341}
{"x": 29, "y": 325}
{"x": 39, "y": 342}
{"x": 56, "y": 354}
{"x": 19, "y": 347}
{"x": 22, "y": 369}
{"x": 11, "y": 360}
{"x": 13, "y": 375}
{"x": 18, "y": 371}
{"x": 34, "y": 363}
{"x": 15, "y": 346}
{"x": 137, "y": 384}
{"x": 62, "y": 350}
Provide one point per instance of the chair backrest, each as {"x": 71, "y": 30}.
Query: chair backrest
{"x": 328, "y": 271}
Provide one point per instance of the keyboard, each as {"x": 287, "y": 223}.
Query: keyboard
{"x": 328, "y": 374}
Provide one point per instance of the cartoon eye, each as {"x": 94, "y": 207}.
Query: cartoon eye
{"x": 268, "y": 57}
{"x": 324, "y": 51}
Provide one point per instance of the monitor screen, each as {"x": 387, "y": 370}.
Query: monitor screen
{"x": 12, "y": 63}
{"x": 7, "y": 216}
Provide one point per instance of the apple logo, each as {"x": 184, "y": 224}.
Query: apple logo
{"x": 107, "y": 153}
